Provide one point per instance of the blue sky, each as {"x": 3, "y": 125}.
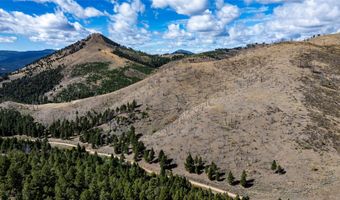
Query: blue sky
{"x": 162, "y": 26}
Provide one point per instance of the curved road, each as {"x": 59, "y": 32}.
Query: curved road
{"x": 195, "y": 183}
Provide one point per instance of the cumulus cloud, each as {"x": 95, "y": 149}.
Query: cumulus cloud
{"x": 214, "y": 24}
{"x": 201, "y": 31}
{"x": 71, "y": 6}
{"x": 52, "y": 28}
{"x": 124, "y": 24}
{"x": 9, "y": 39}
{"x": 185, "y": 7}
{"x": 292, "y": 21}
{"x": 175, "y": 31}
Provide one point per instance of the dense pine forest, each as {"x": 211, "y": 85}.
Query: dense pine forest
{"x": 14, "y": 123}
{"x": 34, "y": 170}
{"x": 31, "y": 89}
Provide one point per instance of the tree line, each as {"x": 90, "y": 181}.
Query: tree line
{"x": 13, "y": 122}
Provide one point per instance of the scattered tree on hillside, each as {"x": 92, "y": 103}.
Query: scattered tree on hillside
{"x": 151, "y": 156}
{"x": 243, "y": 180}
{"x": 274, "y": 165}
{"x": 212, "y": 171}
{"x": 189, "y": 164}
{"x": 277, "y": 168}
{"x": 194, "y": 165}
{"x": 231, "y": 178}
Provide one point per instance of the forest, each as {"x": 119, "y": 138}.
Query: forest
{"x": 29, "y": 89}
{"x": 13, "y": 122}
{"x": 35, "y": 170}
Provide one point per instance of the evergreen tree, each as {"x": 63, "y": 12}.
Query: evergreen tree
{"x": 161, "y": 156}
{"x": 210, "y": 173}
{"x": 243, "y": 180}
{"x": 189, "y": 164}
{"x": 146, "y": 155}
{"x": 231, "y": 178}
{"x": 151, "y": 156}
{"x": 274, "y": 165}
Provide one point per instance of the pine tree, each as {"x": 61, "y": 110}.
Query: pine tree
{"x": 189, "y": 164}
{"x": 231, "y": 178}
{"x": 210, "y": 174}
{"x": 243, "y": 180}
{"x": 161, "y": 156}
{"x": 162, "y": 166}
{"x": 151, "y": 155}
{"x": 217, "y": 175}
{"x": 200, "y": 165}
{"x": 274, "y": 165}
{"x": 146, "y": 155}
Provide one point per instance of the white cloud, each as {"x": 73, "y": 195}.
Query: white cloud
{"x": 214, "y": 24}
{"x": 291, "y": 21}
{"x": 272, "y": 1}
{"x": 9, "y": 39}
{"x": 202, "y": 23}
{"x": 52, "y": 28}
{"x": 294, "y": 19}
{"x": 71, "y": 6}
{"x": 124, "y": 24}
{"x": 185, "y": 7}
{"x": 175, "y": 31}
{"x": 202, "y": 30}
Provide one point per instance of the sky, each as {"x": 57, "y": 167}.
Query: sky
{"x": 163, "y": 26}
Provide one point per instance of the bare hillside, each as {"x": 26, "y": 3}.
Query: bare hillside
{"x": 278, "y": 102}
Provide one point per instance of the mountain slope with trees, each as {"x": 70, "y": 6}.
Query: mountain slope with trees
{"x": 90, "y": 67}
{"x": 34, "y": 170}
{"x": 238, "y": 112}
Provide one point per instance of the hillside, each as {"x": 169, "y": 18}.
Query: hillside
{"x": 242, "y": 111}
{"x": 93, "y": 66}
{"x": 13, "y": 60}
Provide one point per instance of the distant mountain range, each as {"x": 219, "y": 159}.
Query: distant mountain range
{"x": 13, "y": 60}
{"x": 181, "y": 51}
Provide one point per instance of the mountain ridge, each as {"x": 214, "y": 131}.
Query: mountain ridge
{"x": 92, "y": 66}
